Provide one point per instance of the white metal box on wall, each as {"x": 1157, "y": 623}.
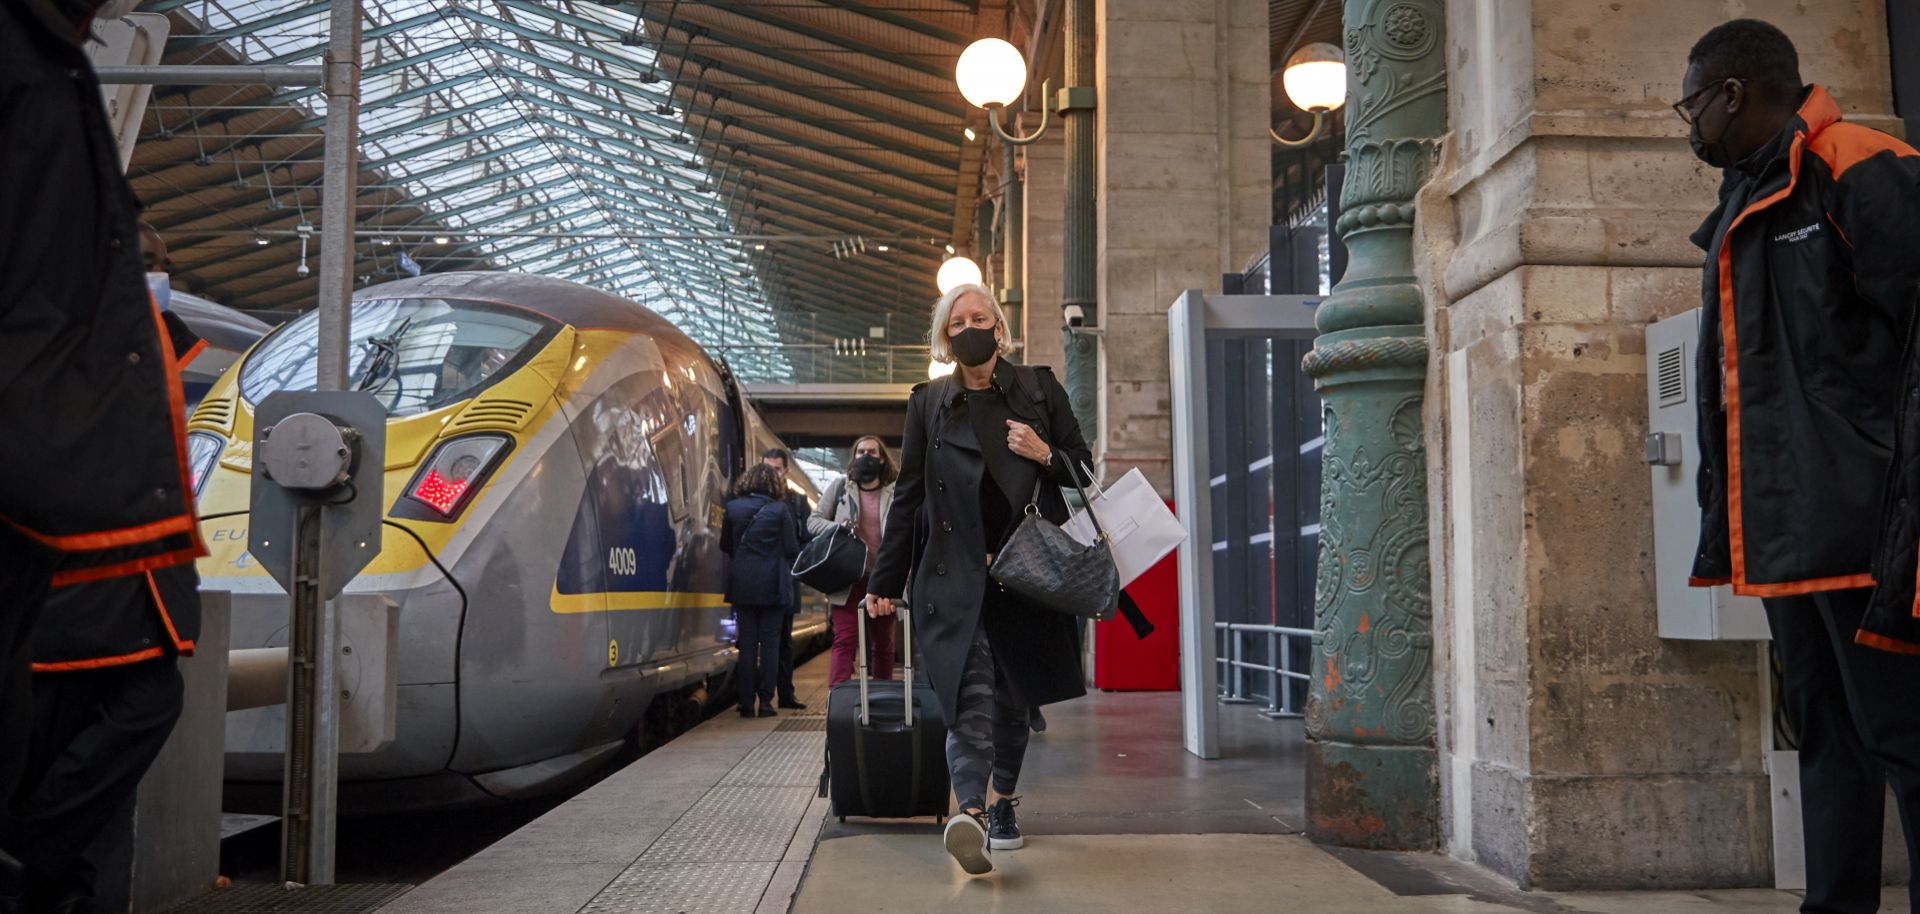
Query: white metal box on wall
{"x": 1695, "y": 613}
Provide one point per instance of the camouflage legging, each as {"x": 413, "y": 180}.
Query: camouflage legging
{"x": 989, "y": 731}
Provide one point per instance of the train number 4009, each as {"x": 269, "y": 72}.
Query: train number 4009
{"x": 621, "y": 560}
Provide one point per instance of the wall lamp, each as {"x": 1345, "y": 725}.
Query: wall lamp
{"x": 992, "y": 74}
{"x": 1316, "y": 81}
{"x": 957, "y": 271}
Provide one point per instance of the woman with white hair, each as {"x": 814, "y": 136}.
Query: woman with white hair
{"x": 983, "y": 446}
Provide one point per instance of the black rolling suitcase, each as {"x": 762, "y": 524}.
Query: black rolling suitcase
{"x": 886, "y": 758}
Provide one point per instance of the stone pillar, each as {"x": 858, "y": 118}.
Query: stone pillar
{"x": 1371, "y": 778}
{"x": 1183, "y": 188}
{"x": 1045, "y": 184}
{"x": 1581, "y": 750}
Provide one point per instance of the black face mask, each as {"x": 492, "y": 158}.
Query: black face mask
{"x": 974, "y": 345}
{"x": 1714, "y": 153}
{"x": 866, "y": 468}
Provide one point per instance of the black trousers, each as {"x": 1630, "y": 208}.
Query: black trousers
{"x": 95, "y": 733}
{"x": 26, "y": 573}
{"x": 786, "y": 660}
{"x": 1856, "y": 712}
{"x": 757, "y": 633}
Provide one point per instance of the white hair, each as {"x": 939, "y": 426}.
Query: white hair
{"x": 937, "y": 345}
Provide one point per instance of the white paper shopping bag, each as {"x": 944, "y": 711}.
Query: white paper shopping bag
{"x": 1141, "y": 530}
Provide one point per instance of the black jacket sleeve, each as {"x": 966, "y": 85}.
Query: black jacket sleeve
{"x": 1070, "y": 450}
{"x": 789, "y": 533}
{"x": 727, "y": 531}
{"x": 896, "y": 557}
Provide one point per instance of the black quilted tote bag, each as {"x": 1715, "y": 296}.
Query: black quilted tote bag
{"x": 832, "y": 561}
{"x": 1044, "y": 565}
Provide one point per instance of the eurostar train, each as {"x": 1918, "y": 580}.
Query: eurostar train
{"x": 557, "y": 462}
{"x": 227, "y": 332}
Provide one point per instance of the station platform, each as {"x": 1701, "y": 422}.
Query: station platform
{"x": 724, "y": 820}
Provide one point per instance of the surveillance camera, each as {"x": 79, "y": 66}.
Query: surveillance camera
{"x": 301, "y": 270}
{"x": 1076, "y": 316}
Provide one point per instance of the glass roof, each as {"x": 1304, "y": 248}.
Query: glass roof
{"x": 541, "y": 136}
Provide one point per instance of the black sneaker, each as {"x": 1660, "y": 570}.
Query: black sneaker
{"x": 966, "y": 840}
{"x": 1003, "y": 830}
{"x": 768, "y": 712}
{"x": 793, "y": 704}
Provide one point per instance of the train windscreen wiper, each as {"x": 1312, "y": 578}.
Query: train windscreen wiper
{"x": 387, "y": 350}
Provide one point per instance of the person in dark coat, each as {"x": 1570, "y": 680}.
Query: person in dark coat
{"x": 797, "y": 508}
{"x": 88, "y": 382}
{"x": 981, "y": 447}
{"x": 1812, "y": 259}
{"x": 758, "y": 537}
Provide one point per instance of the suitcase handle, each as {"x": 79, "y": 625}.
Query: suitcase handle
{"x": 860, "y": 658}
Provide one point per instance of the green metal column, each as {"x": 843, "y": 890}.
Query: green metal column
{"x": 1079, "y": 276}
{"x": 1371, "y": 776}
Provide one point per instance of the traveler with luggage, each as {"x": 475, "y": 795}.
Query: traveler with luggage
{"x": 859, "y": 501}
{"x": 983, "y": 447}
{"x": 758, "y": 535}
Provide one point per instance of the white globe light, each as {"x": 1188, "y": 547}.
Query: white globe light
{"x": 1316, "y": 77}
{"x": 957, "y": 271}
{"x": 991, "y": 72}
{"x": 939, "y": 370}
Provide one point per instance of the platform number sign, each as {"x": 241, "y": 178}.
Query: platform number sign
{"x": 613, "y": 653}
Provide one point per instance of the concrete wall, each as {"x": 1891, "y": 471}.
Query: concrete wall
{"x": 1579, "y": 749}
{"x": 1044, "y": 167}
{"x": 1183, "y": 193}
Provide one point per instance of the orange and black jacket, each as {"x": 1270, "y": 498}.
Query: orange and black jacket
{"x": 96, "y": 618}
{"x": 94, "y": 462}
{"x": 1812, "y": 260}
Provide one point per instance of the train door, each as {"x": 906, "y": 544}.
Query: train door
{"x": 733, "y": 422}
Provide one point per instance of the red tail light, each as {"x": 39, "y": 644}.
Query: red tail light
{"x": 454, "y": 472}
{"x": 440, "y": 494}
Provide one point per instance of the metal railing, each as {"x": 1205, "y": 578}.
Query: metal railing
{"x": 1279, "y": 671}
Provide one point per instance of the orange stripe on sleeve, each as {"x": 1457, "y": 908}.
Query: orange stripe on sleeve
{"x": 1796, "y": 588}
{"x": 133, "y": 566}
{"x": 68, "y": 666}
{"x": 1882, "y": 642}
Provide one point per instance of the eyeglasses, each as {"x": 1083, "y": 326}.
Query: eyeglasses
{"x": 1684, "y": 107}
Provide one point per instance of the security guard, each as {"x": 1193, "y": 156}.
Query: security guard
{"x": 1812, "y": 260}
{"x": 96, "y": 487}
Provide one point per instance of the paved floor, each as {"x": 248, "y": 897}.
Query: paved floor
{"x": 1214, "y": 874}
{"x": 723, "y": 820}
{"x": 1120, "y": 818}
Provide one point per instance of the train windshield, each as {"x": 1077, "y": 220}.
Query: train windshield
{"x": 414, "y": 354}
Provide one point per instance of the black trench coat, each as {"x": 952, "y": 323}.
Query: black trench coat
{"x": 941, "y": 466}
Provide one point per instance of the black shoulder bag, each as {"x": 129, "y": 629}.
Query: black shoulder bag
{"x": 1044, "y": 565}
